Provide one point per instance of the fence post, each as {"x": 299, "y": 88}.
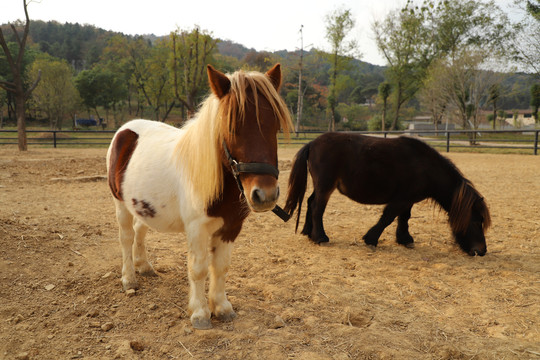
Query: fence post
{"x": 536, "y": 142}
{"x": 447, "y": 142}
{"x": 54, "y": 139}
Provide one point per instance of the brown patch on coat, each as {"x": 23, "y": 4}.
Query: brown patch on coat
{"x": 231, "y": 207}
{"x": 143, "y": 208}
{"x": 122, "y": 148}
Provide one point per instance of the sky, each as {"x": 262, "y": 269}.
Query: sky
{"x": 269, "y": 26}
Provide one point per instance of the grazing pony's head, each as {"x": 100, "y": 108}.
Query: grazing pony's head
{"x": 243, "y": 114}
{"x": 469, "y": 218}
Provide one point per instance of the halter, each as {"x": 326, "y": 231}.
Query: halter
{"x": 238, "y": 168}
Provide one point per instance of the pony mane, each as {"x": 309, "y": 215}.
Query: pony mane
{"x": 465, "y": 198}
{"x": 199, "y": 149}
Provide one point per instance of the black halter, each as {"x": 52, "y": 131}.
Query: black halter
{"x": 238, "y": 168}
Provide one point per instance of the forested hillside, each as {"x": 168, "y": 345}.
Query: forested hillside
{"x": 118, "y": 77}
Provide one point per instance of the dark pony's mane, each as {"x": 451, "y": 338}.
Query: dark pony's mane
{"x": 464, "y": 198}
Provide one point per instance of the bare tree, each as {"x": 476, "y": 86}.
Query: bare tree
{"x": 16, "y": 85}
{"x": 300, "y": 94}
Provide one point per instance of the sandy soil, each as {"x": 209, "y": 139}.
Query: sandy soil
{"x": 61, "y": 296}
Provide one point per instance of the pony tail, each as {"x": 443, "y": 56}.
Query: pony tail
{"x": 463, "y": 201}
{"x": 297, "y": 183}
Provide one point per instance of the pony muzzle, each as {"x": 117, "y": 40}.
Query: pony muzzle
{"x": 263, "y": 198}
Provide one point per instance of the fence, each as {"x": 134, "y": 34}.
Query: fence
{"x": 516, "y": 139}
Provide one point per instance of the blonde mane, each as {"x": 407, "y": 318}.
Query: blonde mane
{"x": 199, "y": 149}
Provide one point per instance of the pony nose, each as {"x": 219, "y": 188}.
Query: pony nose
{"x": 480, "y": 251}
{"x": 261, "y": 197}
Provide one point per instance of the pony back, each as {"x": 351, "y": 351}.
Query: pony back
{"x": 297, "y": 183}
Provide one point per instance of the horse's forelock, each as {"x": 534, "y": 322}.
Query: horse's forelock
{"x": 465, "y": 198}
{"x": 234, "y": 104}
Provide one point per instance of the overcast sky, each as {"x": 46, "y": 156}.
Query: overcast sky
{"x": 267, "y": 26}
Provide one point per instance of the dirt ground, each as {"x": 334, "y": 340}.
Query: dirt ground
{"x": 61, "y": 296}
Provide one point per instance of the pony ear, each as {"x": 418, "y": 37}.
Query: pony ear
{"x": 219, "y": 82}
{"x": 275, "y": 75}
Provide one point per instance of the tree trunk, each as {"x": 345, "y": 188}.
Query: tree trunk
{"x": 398, "y": 107}
{"x": 494, "y": 116}
{"x": 21, "y": 123}
{"x": 383, "y": 115}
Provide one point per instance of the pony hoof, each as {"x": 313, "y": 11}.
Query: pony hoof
{"x": 409, "y": 245}
{"x": 228, "y": 317}
{"x": 372, "y": 248}
{"x": 321, "y": 240}
{"x": 148, "y": 273}
{"x": 144, "y": 268}
{"x": 130, "y": 285}
{"x": 201, "y": 324}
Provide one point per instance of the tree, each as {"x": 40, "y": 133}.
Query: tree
{"x": 100, "y": 87}
{"x": 300, "y": 95}
{"x": 3, "y": 101}
{"x": 432, "y": 95}
{"x": 338, "y": 24}
{"x": 414, "y": 37}
{"x": 16, "y": 85}
{"x": 56, "y": 94}
{"x": 535, "y": 101}
{"x": 533, "y": 7}
{"x": 191, "y": 52}
{"x": 407, "y": 43}
{"x": 494, "y": 96}
{"x": 128, "y": 59}
{"x": 466, "y": 86}
{"x": 527, "y": 41}
{"x": 159, "y": 87}
{"x": 384, "y": 93}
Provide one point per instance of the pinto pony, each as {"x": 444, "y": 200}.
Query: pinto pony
{"x": 202, "y": 179}
{"x": 397, "y": 172}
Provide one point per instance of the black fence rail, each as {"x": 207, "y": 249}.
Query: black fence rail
{"x": 60, "y": 138}
{"x": 523, "y": 140}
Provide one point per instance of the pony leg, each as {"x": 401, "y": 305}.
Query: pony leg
{"x": 126, "y": 235}
{"x": 403, "y": 236}
{"x": 319, "y": 202}
{"x": 308, "y": 224}
{"x": 198, "y": 241}
{"x": 142, "y": 265}
{"x": 219, "y": 266}
{"x": 389, "y": 214}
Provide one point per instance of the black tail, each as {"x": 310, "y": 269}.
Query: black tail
{"x": 297, "y": 182}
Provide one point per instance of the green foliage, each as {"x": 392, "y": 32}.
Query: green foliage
{"x": 384, "y": 90}
{"x": 338, "y": 24}
{"x": 81, "y": 45}
{"x": 533, "y": 7}
{"x": 138, "y": 75}
{"x": 375, "y": 123}
{"x": 191, "y": 52}
{"x": 353, "y": 112}
{"x": 100, "y": 87}
{"x": 55, "y": 94}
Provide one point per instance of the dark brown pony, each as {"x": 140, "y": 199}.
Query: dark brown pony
{"x": 398, "y": 172}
